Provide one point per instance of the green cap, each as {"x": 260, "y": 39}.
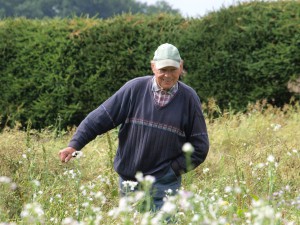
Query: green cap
{"x": 166, "y": 55}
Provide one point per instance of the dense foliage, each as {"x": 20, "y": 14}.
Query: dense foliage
{"x": 67, "y": 8}
{"x": 54, "y": 71}
{"x": 245, "y": 53}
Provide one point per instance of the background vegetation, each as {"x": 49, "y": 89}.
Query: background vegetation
{"x": 38, "y": 9}
{"x": 54, "y": 71}
{"x": 251, "y": 176}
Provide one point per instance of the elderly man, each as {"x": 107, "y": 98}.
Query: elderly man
{"x": 158, "y": 115}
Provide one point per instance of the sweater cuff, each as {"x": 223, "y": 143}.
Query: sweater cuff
{"x": 176, "y": 168}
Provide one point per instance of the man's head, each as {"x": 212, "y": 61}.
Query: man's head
{"x": 167, "y": 65}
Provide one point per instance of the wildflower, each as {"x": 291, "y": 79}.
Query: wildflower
{"x": 150, "y": 179}
{"x": 205, "y": 170}
{"x": 260, "y": 165}
{"x": 77, "y": 154}
{"x": 223, "y": 203}
{"x": 13, "y": 186}
{"x": 58, "y": 195}
{"x": 84, "y": 192}
{"x": 188, "y": 148}
{"x": 100, "y": 195}
{"x": 69, "y": 221}
{"x": 36, "y": 183}
{"x": 139, "y": 195}
{"x": 157, "y": 219}
{"x": 145, "y": 218}
{"x": 96, "y": 209}
{"x": 184, "y": 200}
{"x": 195, "y": 218}
{"x": 130, "y": 184}
{"x": 85, "y": 204}
{"x": 24, "y": 156}
{"x": 169, "y": 191}
{"x": 168, "y": 207}
{"x": 271, "y": 158}
{"x": 275, "y": 127}
{"x": 139, "y": 176}
{"x": 228, "y": 189}
{"x": 295, "y": 151}
{"x": 53, "y": 220}
{"x": 222, "y": 220}
{"x": 4, "y": 179}
{"x": 124, "y": 206}
{"x": 237, "y": 190}
{"x": 33, "y": 213}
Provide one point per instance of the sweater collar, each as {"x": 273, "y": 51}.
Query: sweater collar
{"x": 156, "y": 87}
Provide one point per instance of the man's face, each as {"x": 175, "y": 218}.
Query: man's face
{"x": 167, "y": 77}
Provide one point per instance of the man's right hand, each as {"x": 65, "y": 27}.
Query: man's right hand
{"x": 66, "y": 154}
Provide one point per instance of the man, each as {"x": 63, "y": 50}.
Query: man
{"x": 157, "y": 114}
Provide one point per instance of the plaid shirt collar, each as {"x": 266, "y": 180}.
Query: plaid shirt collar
{"x": 156, "y": 88}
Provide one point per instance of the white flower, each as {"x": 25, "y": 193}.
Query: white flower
{"x": 145, "y": 218}
{"x": 13, "y": 186}
{"x": 169, "y": 207}
{"x": 77, "y": 154}
{"x": 169, "y": 191}
{"x": 205, "y": 170}
{"x": 228, "y": 189}
{"x": 260, "y": 165}
{"x": 36, "y": 183}
{"x": 237, "y": 190}
{"x": 139, "y": 195}
{"x": 150, "y": 179}
{"x": 85, "y": 204}
{"x": 188, "y": 148}
{"x": 139, "y": 176}
{"x": 271, "y": 158}
{"x": 275, "y": 127}
{"x": 4, "y": 179}
{"x": 68, "y": 221}
{"x": 195, "y": 218}
{"x": 33, "y": 212}
{"x": 130, "y": 184}
{"x": 24, "y": 156}
{"x": 58, "y": 195}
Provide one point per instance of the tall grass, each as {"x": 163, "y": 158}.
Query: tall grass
{"x": 251, "y": 176}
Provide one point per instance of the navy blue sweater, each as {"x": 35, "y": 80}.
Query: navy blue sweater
{"x": 150, "y": 137}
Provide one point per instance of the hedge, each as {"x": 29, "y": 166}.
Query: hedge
{"x": 57, "y": 70}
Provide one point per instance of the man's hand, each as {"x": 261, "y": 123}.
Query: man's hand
{"x": 66, "y": 154}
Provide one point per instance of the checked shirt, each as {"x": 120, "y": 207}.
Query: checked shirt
{"x": 162, "y": 97}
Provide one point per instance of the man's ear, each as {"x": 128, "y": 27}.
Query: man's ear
{"x": 181, "y": 66}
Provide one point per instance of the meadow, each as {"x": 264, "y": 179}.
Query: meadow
{"x": 251, "y": 176}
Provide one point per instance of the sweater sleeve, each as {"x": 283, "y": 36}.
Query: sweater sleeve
{"x": 106, "y": 117}
{"x": 198, "y": 137}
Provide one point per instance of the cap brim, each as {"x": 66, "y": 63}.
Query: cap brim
{"x": 165, "y": 63}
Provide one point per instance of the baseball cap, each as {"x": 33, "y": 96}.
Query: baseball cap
{"x": 166, "y": 55}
